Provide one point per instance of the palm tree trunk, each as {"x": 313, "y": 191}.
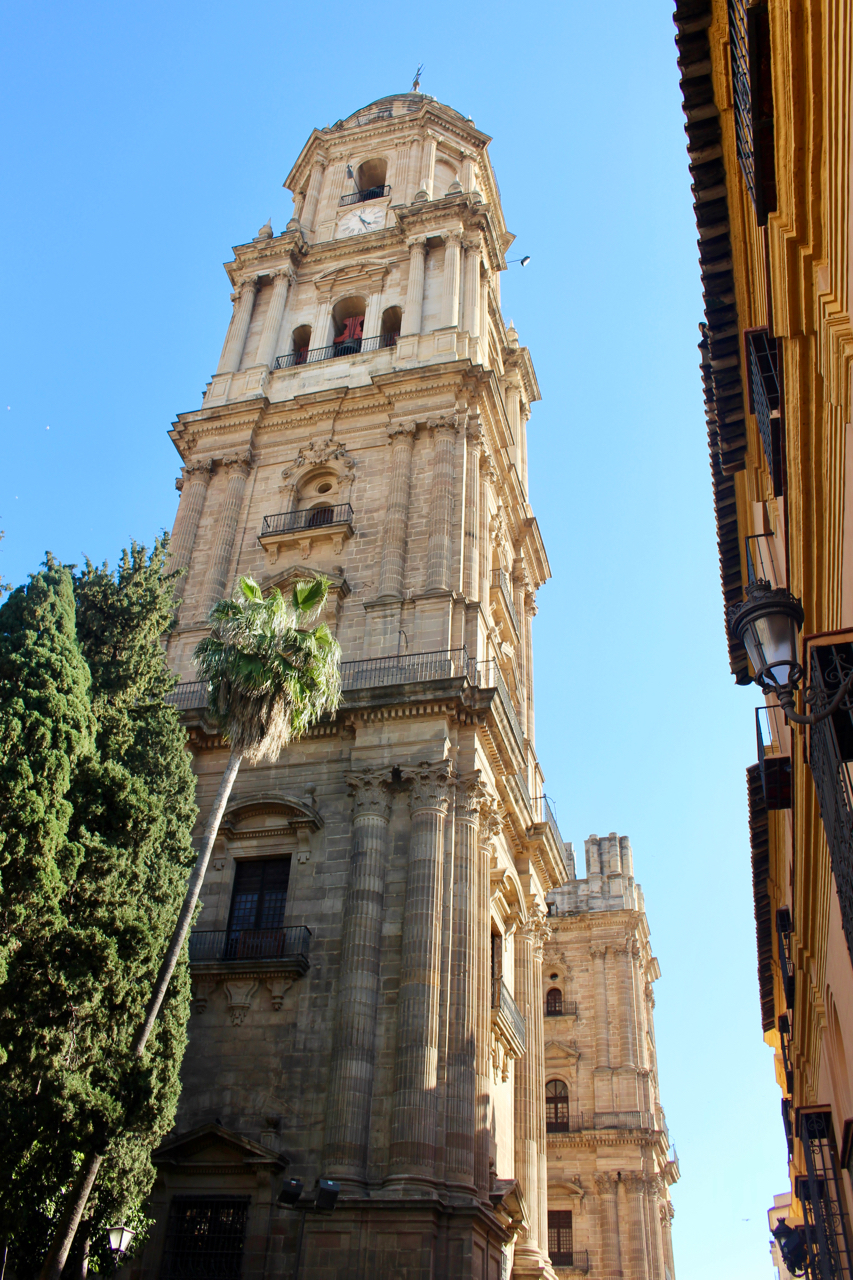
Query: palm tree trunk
{"x": 78, "y": 1196}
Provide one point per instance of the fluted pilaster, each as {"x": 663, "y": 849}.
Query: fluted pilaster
{"x": 490, "y": 826}
{"x": 638, "y": 1268}
{"x": 653, "y": 1190}
{"x": 401, "y": 437}
{"x": 413, "y": 1132}
{"x": 599, "y": 989}
{"x": 412, "y": 311}
{"x": 237, "y": 469}
{"x": 312, "y": 196}
{"x": 235, "y": 339}
{"x": 470, "y": 574}
{"x": 607, "y": 1185}
{"x": 441, "y": 509}
{"x": 413, "y": 170}
{"x": 272, "y": 321}
{"x": 194, "y": 485}
{"x": 666, "y": 1216}
{"x": 354, "y": 1048}
{"x": 530, "y": 1148}
{"x": 450, "y": 293}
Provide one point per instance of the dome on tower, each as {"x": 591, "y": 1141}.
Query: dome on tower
{"x": 395, "y": 104}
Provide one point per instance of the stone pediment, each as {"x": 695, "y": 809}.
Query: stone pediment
{"x": 367, "y": 272}
{"x": 213, "y": 1149}
{"x": 286, "y": 580}
{"x": 269, "y": 813}
{"x": 556, "y": 1051}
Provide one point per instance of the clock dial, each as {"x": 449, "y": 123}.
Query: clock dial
{"x": 359, "y": 220}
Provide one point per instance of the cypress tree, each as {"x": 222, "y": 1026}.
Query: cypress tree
{"x": 132, "y": 812}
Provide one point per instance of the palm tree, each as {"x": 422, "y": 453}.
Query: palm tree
{"x": 271, "y": 676}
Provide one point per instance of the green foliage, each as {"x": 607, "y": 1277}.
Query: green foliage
{"x": 115, "y": 847}
{"x": 271, "y": 673}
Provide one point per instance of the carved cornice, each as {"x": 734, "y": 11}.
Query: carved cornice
{"x": 371, "y": 793}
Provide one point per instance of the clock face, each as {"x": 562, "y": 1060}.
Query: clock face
{"x": 360, "y": 219}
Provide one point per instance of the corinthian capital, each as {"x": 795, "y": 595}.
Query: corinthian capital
{"x": 416, "y": 244}
{"x": 430, "y": 786}
{"x": 403, "y": 430}
{"x": 605, "y": 1184}
{"x": 634, "y": 1183}
{"x": 371, "y": 793}
{"x": 472, "y": 798}
{"x": 240, "y": 462}
{"x": 199, "y": 471}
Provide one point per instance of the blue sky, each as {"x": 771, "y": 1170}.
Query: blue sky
{"x": 141, "y": 141}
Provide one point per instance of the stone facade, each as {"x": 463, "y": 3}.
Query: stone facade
{"x": 368, "y": 420}
{"x": 609, "y": 1160}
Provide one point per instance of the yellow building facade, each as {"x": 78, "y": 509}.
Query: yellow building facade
{"x": 766, "y": 94}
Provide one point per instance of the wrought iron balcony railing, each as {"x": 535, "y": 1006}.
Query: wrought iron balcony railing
{"x": 749, "y": 38}
{"x": 487, "y": 675}
{"x": 760, "y": 560}
{"x": 831, "y": 762}
{"x": 371, "y": 193}
{"x": 765, "y": 399}
{"x": 189, "y": 695}
{"x": 581, "y": 1121}
{"x": 502, "y": 1000}
{"x": 568, "y": 1008}
{"x": 548, "y": 816}
{"x": 577, "y": 1259}
{"x": 500, "y": 582}
{"x": 235, "y": 946}
{"x": 825, "y": 1221}
{"x": 350, "y": 347}
{"x": 785, "y": 1037}
{"x": 784, "y": 928}
{"x": 313, "y": 518}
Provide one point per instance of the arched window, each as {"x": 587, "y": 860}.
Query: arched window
{"x": 301, "y": 343}
{"x": 319, "y": 516}
{"x": 554, "y": 1002}
{"x": 348, "y": 318}
{"x": 556, "y": 1107}
{"x": 392, "y": 319}
{"x": 370, "y": 179}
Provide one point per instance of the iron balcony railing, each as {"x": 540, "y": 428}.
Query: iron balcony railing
{"x": 189, "y": 695}
{"x": 503, "y": 1001}
{"x": 784, "y": 929}
{"x": 775, "y": 768}
{"x": 500, "y": 582}
{"x": 586, "y": 1121}
{"x": 825, "y": 1220}
{"x": 487, "y": 675}
{"x": 548, "y": 816}
{"x": 313, "y": 518}
{"x": 349, "y": 347}
{"x": 577, "y": 1259}
{"x": 765, "y": 399}
{"x": 237, "y": 945}
{"x": 371, "y": 193}
{"x": 787, "y": 1054}
{"x": 753, "y": 102}
{"x": 831, "y": 762}
{"x": 521, "y": 783}
{"x": 567, "y": 1008}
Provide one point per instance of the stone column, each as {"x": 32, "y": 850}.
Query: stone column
{"x": 413, "y": 309}
{"x": 635, "y": 1191}
{"x": 599, "y": 987}
{"x": 530, "y": 1096}
{"x": 653, "y": 1188}
{"x": 450, "y": 295}
{"x": 628, "y": 1036}
{"x": 401, "y": 437}
{"x": 473, "y": 254}
{"x": 484, "y": 318}
{"x": 490, "y": 827}
{"x": 354, "y": 1049}
{"x": 235, "y": 340}
{"x": 470, "y": 570}
{"x": 312, "y": 196}
{"x": 469, "y": 173}
{"x": 272, "y": 321}
{"x": 606, "y": 1186}
{"x": 529, "y": 614}
{"x": 461, "y": 1064}
{"x": 487, "y": 475}
{"x": 237, "y": 469}
{"x": 320, "y": 328}
{"x": 193, "y": 485}
{"x": 428, "y": 166}
{"x": 519, "y": 582}
{"x": 412, "y": 170}
{"x": 513, "y": 402}
{"x": 667, "y": 1213}
{"x": 413, "y": 1129}
{"x": 525, "y": 418}
{"x": 371, "y": 315}
{"x": 441, "y": 508}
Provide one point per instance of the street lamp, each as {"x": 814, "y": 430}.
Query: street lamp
{"x": 768, "y": 625}
{"x": 120, "y": 1240}
{"x": 290, "y": 1197}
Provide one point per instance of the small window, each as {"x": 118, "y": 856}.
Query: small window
{"x": 260, "y": 894}
{"x": 205, "y": 1237}
{"x": 554, "y": 1002}
{"x": 560, "y": 1237}
{"x": 556, "y": 1107}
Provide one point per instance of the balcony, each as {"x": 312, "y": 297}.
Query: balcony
{"x": 575, "y": 1260}
{"x": 280, "y": 949}
{"x": 760, "y": 560}
{"x": 784, "y": 929}
{"x": 349, "y": 347}
{"x": 774, "y": 767}
{"x": 820, "y": 1192}
{"x": 567, "y": 1009}
{"x": 190, "y": 695}
{"x": 588, "y": 1121}
{"x": 291, "y": 527}
{"x": 765, "y": 399}
{"x": 507, "y": 1020}
{"x": 831, "y": 761}
{"x": 502, "y": 585}
{"x": 372, "y": 193}
{"x": 749, "y": 38}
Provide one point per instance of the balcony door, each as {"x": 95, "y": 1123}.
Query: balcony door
{"x": 258, "y": 901}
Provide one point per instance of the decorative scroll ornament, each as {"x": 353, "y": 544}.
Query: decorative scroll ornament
{"x": 316, "y": 454}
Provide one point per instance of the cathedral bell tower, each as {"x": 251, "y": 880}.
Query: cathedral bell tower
{"x": 367, "y": 966}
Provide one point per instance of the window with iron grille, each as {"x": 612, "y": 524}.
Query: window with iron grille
{"x": 556, "y": 1107}
{"x": 784, "y": 929}
{"x": 554, "y": 1002}
{"x": 204, "y": 1238}
{"x": 560, "y": 1237}
{"x": 749, "y": 37}
{"x": 831, "y": 764}
{"x": 764, "y": 385}
{"x": 826, "y": 1226}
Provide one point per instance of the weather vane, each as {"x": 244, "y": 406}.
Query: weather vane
{"x": 416, "y": 83}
